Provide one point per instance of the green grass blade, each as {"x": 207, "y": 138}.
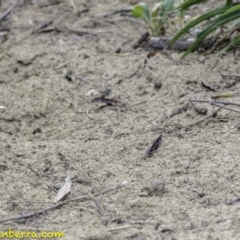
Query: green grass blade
{"x": 232, "y": 9}
{"x": 236, "y": 22}
{"x": 228, "y": 2}
{"x": 232, "y": 44}
{"x": 189, "y": 3}
{"x": 195, "y": 22}
{"x": 225, "y": 18}
{"x": 209, "y": 29}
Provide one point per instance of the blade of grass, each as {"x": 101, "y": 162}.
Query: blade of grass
{"x": 232, "y": 44}
{"x": 189, "y": 3}
{"x": 197, "y": 21}
{"x": 232, "y": 9}
{"x": 228, "y": 2}
{"x": 217, "y": 23}
{"x": 225, "y": 18}
{"x": 236, "y": 22}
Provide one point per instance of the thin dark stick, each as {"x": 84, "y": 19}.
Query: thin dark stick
{"x": 228, "y": 103}
{"x": 227, "y": 108}
{"x": 99, "y": 209}
{"x": 233, "y": 201}
{"x": 205, "y": 118}
{"x": 142, "y": 39}
{"x": 180, "y": 110}
{"x": 85, "y": 197}
{"x": 219, "y": 104}
{"x": 118, "y": 11}
{"x": 82, "y": 208}
{"x": 43, "y": 26}
{"x": 8, "y": 10}
{"x": 185, "y": 187}
{"x": 37, "y": 173}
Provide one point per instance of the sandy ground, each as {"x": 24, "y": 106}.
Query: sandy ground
{"x": 52, "y": 129}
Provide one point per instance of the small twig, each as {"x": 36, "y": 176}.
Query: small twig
{"x": 227, "y": 108}
{"x": 180, "y": 110}
{"x": 140, "y": 41}
{"x": 90, "y": 211}
{"x": 228, "y": 103}
{"x": 87, "y": 112}
{"x": 107, "y": 101}
{"x": 37, "y": 173}
{"x": 233, "y": 201}
{"x": 61, "y": 65}
{"x": 81, "y": 198}
{"x": 118, "y": 228}
{"x": 51, "y": 188}
{"x": 77, "y": 32}
{"x": 188, "y": 188}
{"x": 136, "y": 104}
{"x": 118, "y": 11}
{"x": 99, "y": 209}
{"x": 132, "y": 74}
{"x": 8, "y": 10}
{"x": 219, "y": 104}
{"x": 44, "y": 25}
{"x": 205, "y": 118}
{"x": 50, "y": 3}
{"x": 175, "y": 112}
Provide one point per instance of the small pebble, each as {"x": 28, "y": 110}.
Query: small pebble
{"x": 157, "y": 85}
{"x": 2, "y": 109}
{"x": 157, "y": 187}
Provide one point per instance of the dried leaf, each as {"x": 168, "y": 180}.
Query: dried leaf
{"x": 151, "y": 150}
{"x": 64, "y": 190}
{"x": 210, "y": 88}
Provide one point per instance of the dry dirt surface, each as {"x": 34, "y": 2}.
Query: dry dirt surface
{"x": 55, "y": 58}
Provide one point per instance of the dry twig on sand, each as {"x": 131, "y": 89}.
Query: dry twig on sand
{"x": 8, "y": 10}
{"x": 80, "y": 198}
{"x": 221, "y": 104}
{"x": 231, "y": 202}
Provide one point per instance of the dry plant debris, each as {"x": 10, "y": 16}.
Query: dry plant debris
{"x": 64, "y": 190}
{"x": 152, "y": 149}
{"x": 107, "y": 101}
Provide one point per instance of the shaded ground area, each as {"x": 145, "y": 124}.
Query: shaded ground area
{"x": 51, "y": 129}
